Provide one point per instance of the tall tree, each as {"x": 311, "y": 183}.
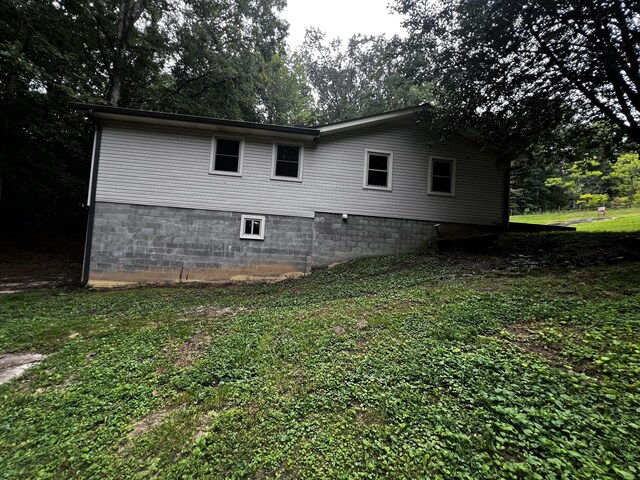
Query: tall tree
{"x": 44, "y": 146}
{"x": 519, "y": 68}
{"x": 211, "y": 57}
{"x": 364, "y": 77}
{"x": 219, "y": 52}
{"x": 131, "y": 44}
{"x": 625, "y": 173}
{"x": 285, "y": 95}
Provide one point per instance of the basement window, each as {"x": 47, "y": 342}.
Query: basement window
{"x": 226, "y": 156}
{"x": 377, "y": 169}
{"x": 287, "y": 162}
{"x": 252, "y": 227}
{"x": 442, "y": 176}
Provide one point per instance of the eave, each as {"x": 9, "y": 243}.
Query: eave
{"x": 102, "y": 113}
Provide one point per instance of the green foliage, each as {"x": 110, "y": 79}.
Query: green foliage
{"x": 517, "y": 70}
{"x": 286, "y": 94}
{"x": 44, "y": 148}
{"x": 579, "y": 181}
{"x": 625, "y": 173}
{"x": 366, "y": 76}
{"x": 223, "y": 58}
{"x": 592, "y": 200}
{"x": 539, "y": 183}
{"x": 226, "y": 59}
{"x": 406, "y": 366}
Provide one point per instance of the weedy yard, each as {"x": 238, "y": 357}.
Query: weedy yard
{"x": 522, "y": 363}
{"x": 614, "y": 220}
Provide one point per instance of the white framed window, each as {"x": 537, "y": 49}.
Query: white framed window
{"x": 378, "y": 169}
{"x": 226, "y": 156}
{"x": 442, "y": 176}
{"x": 287, "y": 162}
{"x": 252, "y": 227}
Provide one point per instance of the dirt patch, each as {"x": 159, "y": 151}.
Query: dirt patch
{"x": 523, "y": 336}
{"x": 365, "y": 416}
{"x": 192, "y": 349}
{"x": 30, "y": 261}
{"x": 14, "y": 365}
{"x": 496, "y": 287}
{"x": 448, "y": 278}
{"x": 151, "y": 421}
{"x": 211, "y": 311}
{"x": 362, "y": 323}
{"x": 403, "y": 265}
{"x": 251, "y": 409}
{"x": 339, "y": 330}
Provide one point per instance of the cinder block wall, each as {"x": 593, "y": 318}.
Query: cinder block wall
{"x": 336, "y": 239}
{"x": 133, "y": 243}
{"x": 143, "y": 243}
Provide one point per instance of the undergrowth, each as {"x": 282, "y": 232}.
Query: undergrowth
{"x": 407, "y": 366}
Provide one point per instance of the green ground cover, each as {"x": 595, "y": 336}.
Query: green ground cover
{"x": 440, "y": 365}
{"x": 615, "y": 220}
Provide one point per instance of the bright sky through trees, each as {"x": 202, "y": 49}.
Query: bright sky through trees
{"x": 341, "y": 18}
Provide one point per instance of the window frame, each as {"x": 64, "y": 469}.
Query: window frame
{"x": 274, "y": 159}
{"x": 251, "y": 236}
{"x": 212, "y": 157}
{"x": 452, "y": 161}
{"x": 389, "y": 155}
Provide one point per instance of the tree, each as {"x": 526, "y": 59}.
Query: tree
{"x": 582, "y": 177}
{"x": 212, "y": 57}
{"x": 285, "y": 94}
{"x": 518, "y": 69}
{"x": 625, "y": 173}
{"x": 364, "y": 77}
{"x": 221, "y": 54}
{"x": 44, "y": 147}
{"x": 117, "y": 31}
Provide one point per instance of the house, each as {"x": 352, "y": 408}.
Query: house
{"x": 180, "y": 197}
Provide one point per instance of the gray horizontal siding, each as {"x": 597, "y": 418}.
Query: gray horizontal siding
{"x": 169, "y": 167}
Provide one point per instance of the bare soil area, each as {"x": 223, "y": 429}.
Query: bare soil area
{"x": 33, "y": 261}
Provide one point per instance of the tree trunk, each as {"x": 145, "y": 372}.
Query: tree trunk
{"x": 129, "y": 13}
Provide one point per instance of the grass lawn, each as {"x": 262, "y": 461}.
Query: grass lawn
{"x": 615, "y": 220}
{"x": 519, "y": 364}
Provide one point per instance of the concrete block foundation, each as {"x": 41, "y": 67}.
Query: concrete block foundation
{"x": 134, "y": 243}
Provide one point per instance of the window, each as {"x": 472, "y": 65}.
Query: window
{"x": 226, "y": 156}
{"x": 287, "y": 162}
{"x": 377, "y": 169}
{"x": 442, "y": 176}
{"x": 252, "y": 227}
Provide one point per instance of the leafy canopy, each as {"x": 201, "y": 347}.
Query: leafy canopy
{"x": 518, "y": 69}
{"x": 365, "y": 76}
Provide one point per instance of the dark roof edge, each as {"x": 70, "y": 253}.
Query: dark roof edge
{"x": 374, "y": 115}
{"x": 132, "y": 112}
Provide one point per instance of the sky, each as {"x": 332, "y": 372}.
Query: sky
{"x": 340, "y": 18}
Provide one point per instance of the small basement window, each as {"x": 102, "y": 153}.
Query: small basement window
{"x": 442, "y": 176}
{"x": 226, "y": 156}
{"x": 287, "y": 162}
{"x": 378, "y": 169}
{"x": 252, "y": 227}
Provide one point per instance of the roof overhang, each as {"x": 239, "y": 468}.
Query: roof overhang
{"x": 369, "y": 120}
{"x": 101, "y": 113}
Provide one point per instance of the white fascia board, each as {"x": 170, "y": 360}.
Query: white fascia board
{"x": 362, "y": 122}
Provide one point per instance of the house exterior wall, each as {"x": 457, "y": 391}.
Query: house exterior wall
{"x": 162, "y": 166}
{"x": 135, "y": 243}
{"x": 147, "y": 243}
